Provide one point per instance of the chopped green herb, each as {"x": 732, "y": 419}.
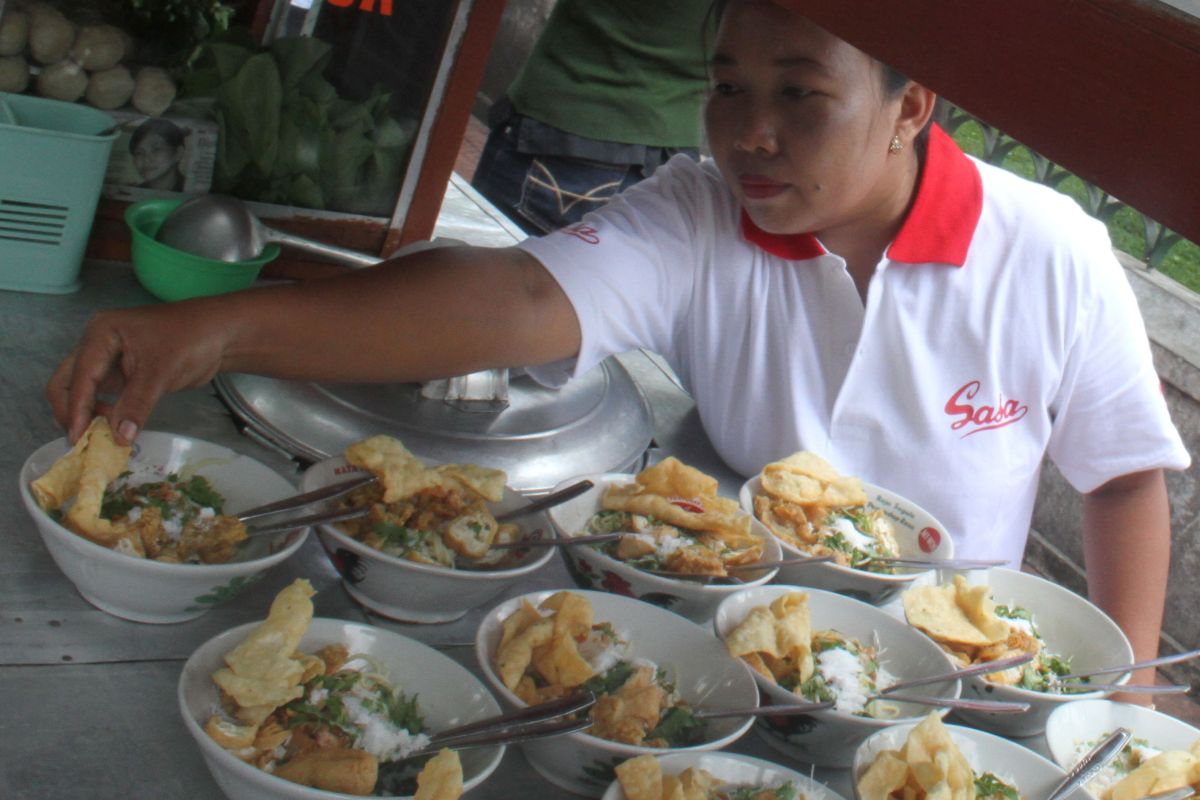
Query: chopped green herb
{"x": 989, "y": 787}
{"x": 678, "y": 728}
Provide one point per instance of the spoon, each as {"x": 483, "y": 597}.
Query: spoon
{"x": 1154, "y": 662}
{"x": 224, "y": 228}
{"x": 1093, "y": 762}
{"x": 984, "y": 668}
{"x": 308, "y": 498}
{"x": 946, "y": 563}
{"x": 343, "y": 514}
{"x": 965, "y": 703}
{"x": 753, "y": 565}
{"x": 1182, "y": 793}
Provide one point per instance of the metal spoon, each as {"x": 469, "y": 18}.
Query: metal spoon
{"x": 947, "y": 563}
{"x": 1092, "y": 763}
{"x": 549, "y": 501}
{"x": 343, "y": 514}
{"x": 308, "y": 498}
{"x": 1182, "y": 793}
{"x": 1128, "y": 688}
{"x": 224, "y": 228}
{"x": 753, "y": 565}
{"x": 984, "y": 668}
{"x": 1154, "y": 662}
{"x": 966, "y": 703}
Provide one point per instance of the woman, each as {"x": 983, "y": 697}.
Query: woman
{"x": 830, "y": 282}
{"x": 158, "y": 147}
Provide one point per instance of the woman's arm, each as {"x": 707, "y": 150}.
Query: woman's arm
{"x": 437, "y": 313}
{"x": 1127, "y": 552}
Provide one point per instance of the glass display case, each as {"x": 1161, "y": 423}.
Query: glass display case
{"x": 336, "y": 119}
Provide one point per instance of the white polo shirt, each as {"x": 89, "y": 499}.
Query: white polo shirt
{"x": 998, "y": 327}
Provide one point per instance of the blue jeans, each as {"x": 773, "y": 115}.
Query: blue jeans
{"x": 544, "y": 178}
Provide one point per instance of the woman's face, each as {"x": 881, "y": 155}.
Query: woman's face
{"x": 799, "y": 125}
{"x": 156, "y": 159}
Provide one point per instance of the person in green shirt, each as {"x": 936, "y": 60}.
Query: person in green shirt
{"x": 611, "y": 90}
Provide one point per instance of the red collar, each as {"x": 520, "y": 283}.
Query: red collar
{"x": 939, "y": 228}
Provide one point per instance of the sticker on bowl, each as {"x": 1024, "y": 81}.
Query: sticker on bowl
{"x": 929, "y": 539}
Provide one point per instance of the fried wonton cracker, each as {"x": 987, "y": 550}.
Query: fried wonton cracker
{"x": 958, "y": 614}
{"x": 401, "y": 473}
{"x": 264, "y": 671}
{"x": 933, "y": 768}
{"x": 682, "y": 496}
{"x": 641, "y": 778}
{"x": 806, "y": 479}
{"x": 84, "y": 473}
{"x": 1173, "y": 769}
{"x": 441, "y": 778}
{"x": 486, "y": 482}
{"x": 776, "y": 637}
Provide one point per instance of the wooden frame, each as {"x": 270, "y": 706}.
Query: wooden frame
{"x": 1109, "y": 89}
{"x": 439, "y": 137}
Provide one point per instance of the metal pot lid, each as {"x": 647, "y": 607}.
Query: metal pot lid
{"x": 599, "y": 422}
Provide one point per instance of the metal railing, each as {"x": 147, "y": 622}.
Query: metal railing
{"x": 998, "y": 148}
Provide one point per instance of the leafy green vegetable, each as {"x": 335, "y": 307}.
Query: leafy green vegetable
{"x": 1014, "y": 612}
{"x": 608, "y": 682}
{"x": 399, "y": 537}
{"x": 678, "y": 728}
{"x": 785, "y": 791}
{"x": 287, "y": 136}
{"x": 201, "y": 492}
{"x": 989, "y": 787}
{"x": 817, "y": 690}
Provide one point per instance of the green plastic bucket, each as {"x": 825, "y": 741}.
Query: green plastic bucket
{"x": 52, "y": 163}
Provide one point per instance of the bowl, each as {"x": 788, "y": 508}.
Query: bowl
{"x": 447, "y": 693}
{"x": 704, "y": 672}
{"x": 736, "y": 770}
{"x": 918, "y": 535}
{"x": 172, "y": 274}
{"x": 1070, "y": 626}
{"x": 1073, "y": 728}
{"x": 592, "y": 569}
{"x": 1033, "y": 775}
{"x": 829, "y": 737}
{"x": 410, "y": 592}
{"x": 142, "y": 590}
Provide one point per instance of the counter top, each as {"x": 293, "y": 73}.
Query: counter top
{"x": 90, "y": 699}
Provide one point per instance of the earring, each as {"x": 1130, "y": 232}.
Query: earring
{"x": 896, "y": 145}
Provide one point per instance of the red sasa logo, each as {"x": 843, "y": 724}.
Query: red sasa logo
{"x": 982, "y": 417}
{"x": 585, "y": 232}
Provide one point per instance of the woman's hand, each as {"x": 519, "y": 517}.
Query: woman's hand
{"x": 127, "y": 360}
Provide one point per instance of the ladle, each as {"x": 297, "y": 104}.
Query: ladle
{"x": 224, "y": 228}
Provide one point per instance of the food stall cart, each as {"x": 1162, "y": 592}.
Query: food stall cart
{"x": 91, "y": 698}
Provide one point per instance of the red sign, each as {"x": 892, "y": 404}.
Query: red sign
{"x": 385, "y": 6}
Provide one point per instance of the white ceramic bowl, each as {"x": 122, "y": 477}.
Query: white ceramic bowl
{"x": 737, "y": 770}
{"x": 405, "y": 590}
{"x": 592, "y": 569}
{"x": 704, "y": 673}
{"x": 1070, "y": 626}
{"x": 1033, "y": 775}
{"x": 142, "y": 590}
{"x": 1073, "y": 726}
{"x": 829, "y": 737}
{"x": 918, "y": 535}
{"x": 447, "y": 695}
